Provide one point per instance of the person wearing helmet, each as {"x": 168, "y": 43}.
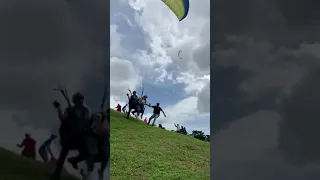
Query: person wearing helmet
{"x": 133, "y": 102}
{"x": 29, "y": 147}
{"x": 45, "y": 149}
{"x": 74, "y": 126}
{"x": 156, "y": 113}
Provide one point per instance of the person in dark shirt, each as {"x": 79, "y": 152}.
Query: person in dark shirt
{"x": 156, "y": 113}
{"x": 75, "y": 122}
{"x": 133, "y": 102}
{"x": 29, "y": 147}
{"x": 45, "y": 149}
{"x": 124, "y": 108}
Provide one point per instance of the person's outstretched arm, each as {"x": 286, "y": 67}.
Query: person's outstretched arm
{"x": 21, "y": 145}
{"x": 163, "y": 113}
{"x": 57, "y": 106}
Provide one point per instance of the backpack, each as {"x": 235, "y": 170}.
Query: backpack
{"x": 76, "y": 122}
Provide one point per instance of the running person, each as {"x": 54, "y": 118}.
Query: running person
{"x": 133, "y": 102}
{"x": 74, "y": 125}
{"x": 124, "y": 108}
{"x": 45, "y": 149}
{"x": 156, "y": 113}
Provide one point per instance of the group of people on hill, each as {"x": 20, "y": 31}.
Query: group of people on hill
{"x": 137, "y": 106}
{"x": 181, "y": 129}
{"x": 29, "y": 149}
{"x": 88, "y": 134}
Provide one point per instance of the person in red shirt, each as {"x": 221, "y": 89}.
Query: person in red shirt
{"x": 118, "y": 107}
{"x": 29, "y": 147}
{"x": 145, "y": 120}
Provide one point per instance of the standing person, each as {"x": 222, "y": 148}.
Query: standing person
{"x": 45, "y": 149}
{"x": 29, "y": 147}
{"x": 178, "y": 127}
{"x": 118, "y": 108}
{"x": 156, "y": 113}
{"x": 133, "y": 102}
{"x": 74, "y": 125}
{"x": 145, "y": 120}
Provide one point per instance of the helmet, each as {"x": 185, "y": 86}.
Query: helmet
{"x": 77, "y": 98}
{"x": 134, "y": 92}
{"x": 78, "y": 95}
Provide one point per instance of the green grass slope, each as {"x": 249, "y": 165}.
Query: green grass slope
{"x": 15, "y": 167}
{"x": 142, "y": 152}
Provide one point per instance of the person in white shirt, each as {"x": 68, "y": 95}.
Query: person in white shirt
{"x": 178, "y": 127}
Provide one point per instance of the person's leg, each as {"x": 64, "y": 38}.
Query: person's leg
{"x": 151, "y": 117}
{"x": 34, "y": 156}
{"x": 24, "y": 154}
{"x": 155, "y": 118}
{"x": 93, "y": 149}
{"x": 43, "y": 154}
{"x": 142, "y": 111}
{"x": 128, "y": 113}
{"x": 104, "y": 152}
{"x": 59, "y": 166}
{"x": 138, "y": 109}
{"x": 81, "y": 146}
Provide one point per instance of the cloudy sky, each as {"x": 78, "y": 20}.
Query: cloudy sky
{"x": 266, "y": 94}
{"x": 145, "y": 40}
{"x": 45, "y": 43}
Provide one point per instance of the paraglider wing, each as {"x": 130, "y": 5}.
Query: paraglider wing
{"x": 179, "y": 7}
{"x": 179, "y": 54}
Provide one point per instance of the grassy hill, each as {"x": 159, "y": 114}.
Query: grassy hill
{"x": 139, "y": 151}
{"x": 15, "y": 167}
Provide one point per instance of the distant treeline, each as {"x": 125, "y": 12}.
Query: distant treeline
{"x": 195, "y": 133}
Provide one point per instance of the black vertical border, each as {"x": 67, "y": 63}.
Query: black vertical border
{"x": 107, "y": 78}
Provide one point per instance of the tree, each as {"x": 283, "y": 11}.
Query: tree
{"x": 199, "y": 135}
